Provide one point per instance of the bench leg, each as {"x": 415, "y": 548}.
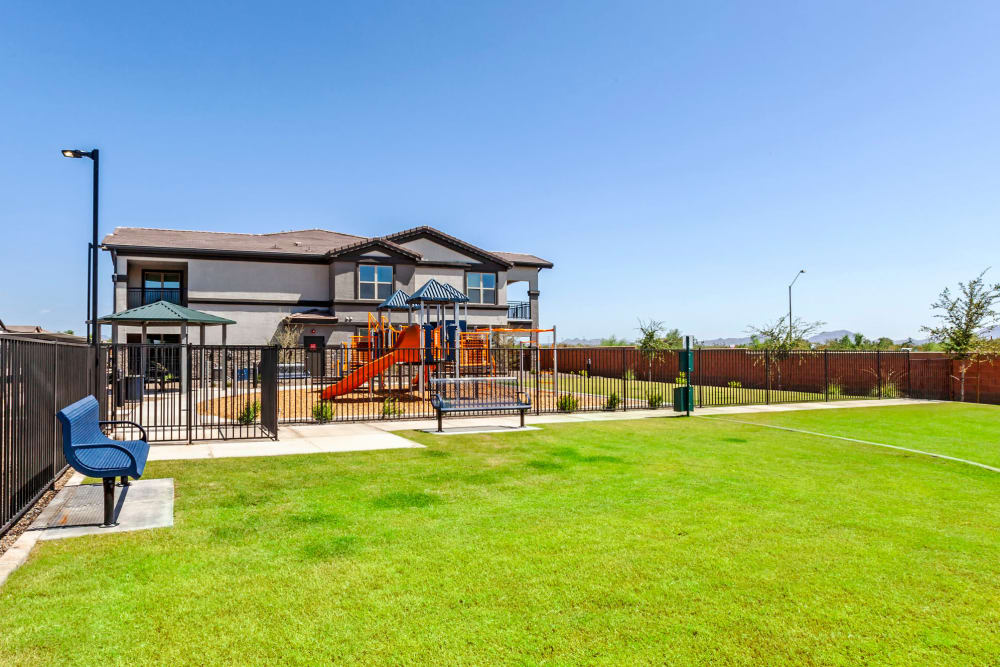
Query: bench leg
{"x": 522, "y": 418}
{"x": 440, "y": 430}
{"x": 109, "y": 503}
{"x": 125, "y": 480}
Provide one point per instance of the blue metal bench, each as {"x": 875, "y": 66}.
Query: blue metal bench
{"x": 94, "y": 454}
{"x": 521, "y": 402}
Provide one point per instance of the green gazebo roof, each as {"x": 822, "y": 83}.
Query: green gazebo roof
{"x": 163, "y": 312}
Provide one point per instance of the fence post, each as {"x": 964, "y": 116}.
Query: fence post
{"x": 826, "y": 374}
{"x": 767, "y": 377}
{"x": 624, "y": 382}
{"x": 878, "y": 371}
{"x": 186, "y": 379}
{"x": 909, "y": 376}
{"x": 55, "y": 409}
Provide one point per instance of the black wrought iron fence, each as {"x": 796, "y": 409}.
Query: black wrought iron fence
{"x": 213, "y": 392}
{"x": 37, "y": 379}
{"x": 186, "y": 392}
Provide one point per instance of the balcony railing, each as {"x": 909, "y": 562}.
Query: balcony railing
{"x": 143, "y": 296}
{"x": 519, "y": 310}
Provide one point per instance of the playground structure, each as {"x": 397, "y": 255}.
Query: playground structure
{"x": 435, "y": 346}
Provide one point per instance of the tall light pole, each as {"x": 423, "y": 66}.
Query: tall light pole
{"x": 801, "y": 271}
{"x": 95, "y": 338}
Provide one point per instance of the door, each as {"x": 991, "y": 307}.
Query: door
{"x": 315, "y": 355}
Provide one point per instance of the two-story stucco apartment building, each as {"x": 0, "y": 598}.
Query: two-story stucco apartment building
{"x": 324, "y": 282}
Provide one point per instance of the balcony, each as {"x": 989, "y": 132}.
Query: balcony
{"x": 140, "y": 296}
{"x": 519, "y": 311}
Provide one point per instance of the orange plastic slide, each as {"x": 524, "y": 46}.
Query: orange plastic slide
{"x": 406, "y": 349}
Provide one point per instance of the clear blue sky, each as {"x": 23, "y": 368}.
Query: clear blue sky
{"x": 676, "y": 161}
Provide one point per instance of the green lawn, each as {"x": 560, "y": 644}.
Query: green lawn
{"x": 641, "y": 389}
{"x": 672, "y": 540}
{"x": 966, "y": 431}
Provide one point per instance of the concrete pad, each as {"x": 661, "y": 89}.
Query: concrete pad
{"x": 224, "y": 450}
{"x": 468, "y": 430}
{"x": 178, "y": 452}
{"x": 79, "y": 510}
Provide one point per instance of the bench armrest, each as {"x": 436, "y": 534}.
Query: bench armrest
{"x": 145, "y": 438}
{"x": 523, "y": 397}
{"x": 436, "y": 401}
{"x": 112, "y": 446}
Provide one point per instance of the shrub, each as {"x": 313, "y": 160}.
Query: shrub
{"x": 323, "y": 412}
{"x": 889, "y": 390}
{"x": 734, "y": 384}
{"x": 390, "y": 407}
{"x": 567, "y": 403}
{"x": 834, "y": 390}
{"x": 654, "y": 399}
{"x": 681, "y": 378}
{"x": 613, "y": 401}
{"x": 629, "y": 374}
{"x": 249, "y": 413}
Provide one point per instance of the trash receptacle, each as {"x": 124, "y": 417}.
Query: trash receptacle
{"x": 133, "y": 387}
{"x": 683, "y": 399}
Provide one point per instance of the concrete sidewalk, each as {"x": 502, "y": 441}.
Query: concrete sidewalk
{"x": 358, "y": 437}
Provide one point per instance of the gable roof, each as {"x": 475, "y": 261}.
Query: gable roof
{"x": 314, "y": 244}
{"x": 435, "y": 292}
{"x": 374, "y": 243}
{"x": 167, "y": 313}
{"x": 447, "y": 239}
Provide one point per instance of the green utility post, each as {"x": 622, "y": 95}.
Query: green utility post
{"x": 684, "y": 396}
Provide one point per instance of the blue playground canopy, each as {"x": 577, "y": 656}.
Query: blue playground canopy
{"x": 398, "y": 301}
{"x": 435, "y": 292}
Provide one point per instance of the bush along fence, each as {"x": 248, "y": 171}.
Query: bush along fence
{"x": 37, "y": 378}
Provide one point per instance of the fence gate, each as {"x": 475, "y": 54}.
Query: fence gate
{"x": 269, "y": 391}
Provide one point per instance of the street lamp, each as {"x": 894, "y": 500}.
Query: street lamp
{"x": 801, "y": 271}
{"x": 92, "y": 327}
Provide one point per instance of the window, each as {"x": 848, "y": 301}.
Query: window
{"x": 481, "y": 287}
{"x": 161, "y": 285}
{"x": 374, "y": 282}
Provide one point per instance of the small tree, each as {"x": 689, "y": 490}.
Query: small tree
{"x": 286, "y": 336}
{"x": 650, "y": 342}
{"x": 965, "y": 321}
{"x": 779, "y": 339}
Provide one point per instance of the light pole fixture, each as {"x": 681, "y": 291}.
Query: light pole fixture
{"x": 92, "y": 327}
{"x": 801, "y": 271}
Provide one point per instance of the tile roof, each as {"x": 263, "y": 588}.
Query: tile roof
{"x": 307, "y": 242}
{"x": 301, "y": 242}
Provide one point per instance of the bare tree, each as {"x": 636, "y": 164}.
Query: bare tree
{"x": 965, "y": 321}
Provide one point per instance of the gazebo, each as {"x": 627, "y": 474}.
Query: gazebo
{"x": 164, "y": 313}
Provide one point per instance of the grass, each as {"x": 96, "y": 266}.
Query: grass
{"x": 667, "y": 541}
{"x": 967, "y": 431}
{"x": 640, "y": 389}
